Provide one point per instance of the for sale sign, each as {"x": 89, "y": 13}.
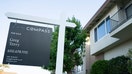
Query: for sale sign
{"x": 28, "y": 45}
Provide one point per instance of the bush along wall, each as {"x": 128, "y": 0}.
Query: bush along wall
{"x": 100, "y": 67}
{"x": 129, "y": 54}
{"x": 116, "y": 65}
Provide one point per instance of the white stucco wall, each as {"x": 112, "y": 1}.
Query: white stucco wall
{"x": 118, "y": 50}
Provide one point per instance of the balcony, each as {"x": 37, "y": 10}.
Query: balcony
{"x": 121, "y": 24}
{"x": 120, "y": 17}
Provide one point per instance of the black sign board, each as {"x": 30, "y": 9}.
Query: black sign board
{"x": 28, "y": 45}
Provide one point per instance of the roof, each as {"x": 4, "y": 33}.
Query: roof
{"x": 108, "y": 4}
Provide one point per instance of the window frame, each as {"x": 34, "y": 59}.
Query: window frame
{"x": 106, "y": 27}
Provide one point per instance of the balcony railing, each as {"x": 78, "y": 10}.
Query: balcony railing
{"x": 121, "y": 17}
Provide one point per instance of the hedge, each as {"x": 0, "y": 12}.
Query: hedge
{"x": 117, "y": 65}
{"x": 99, "y": 67}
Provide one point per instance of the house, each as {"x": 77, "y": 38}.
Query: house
{"x": 111, "y": 30}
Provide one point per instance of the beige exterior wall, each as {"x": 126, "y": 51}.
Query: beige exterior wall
{"x": 99, "y": 57}
{"x": 122, "y": 49}
{"x": 89, "y": 59}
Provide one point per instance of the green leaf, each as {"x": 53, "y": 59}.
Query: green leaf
{"x": 74, "y": 39}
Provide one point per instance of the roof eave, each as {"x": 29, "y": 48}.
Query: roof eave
{"x": 102, "y": 10}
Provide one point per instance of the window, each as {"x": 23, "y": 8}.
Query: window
{"x": 129, "y": 11}
{"x": 102, "y": 29}
{"x": 95, "y": 34}
{"x": 108, "y": 24}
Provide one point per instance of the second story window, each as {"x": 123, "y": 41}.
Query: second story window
{"x": 108, "y": 24}
{"x": 102, "y": 29}
{"x": 95, "y": 34}
{"x": 129, "y": 11}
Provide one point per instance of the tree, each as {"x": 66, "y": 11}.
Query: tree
{"x": 74, "y": 39}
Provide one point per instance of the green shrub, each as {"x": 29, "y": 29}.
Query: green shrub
{"x": 129, "y": 54}
{"x": 100, "y": 67}
{"x": 130, "y": 66}
{"x": 118, "y": 65}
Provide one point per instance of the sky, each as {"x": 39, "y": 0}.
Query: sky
{"x": 83, "y": 10}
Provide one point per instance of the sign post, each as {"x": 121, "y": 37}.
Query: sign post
{"x": 62, "y": 25}
{"x": 60, "y": 47}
